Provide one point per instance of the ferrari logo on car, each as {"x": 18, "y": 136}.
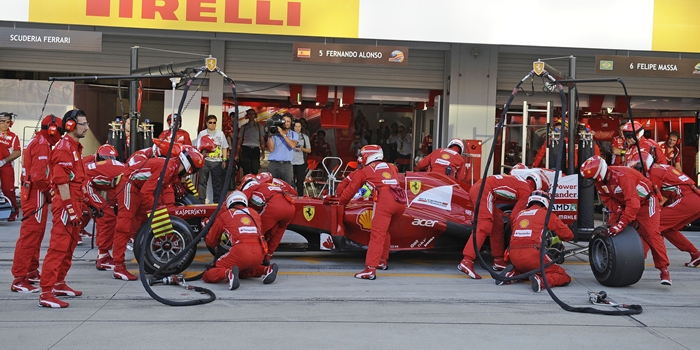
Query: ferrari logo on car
{"x": 415, "y": 186}
{"x": 364, "y": 219}
{"x": 538, "y": 67}
{"x": 211, "y": 64}
{"x": 309, "y": 212}
{"x": 524, "y": 223}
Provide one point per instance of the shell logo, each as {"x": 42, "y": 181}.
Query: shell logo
{"x": 245, "y": 221}
{"x": 445, "y": 156}
{"x": 386, "y": 175}
{"x": 364, "y": 219}
{"x": 524, "y": 223}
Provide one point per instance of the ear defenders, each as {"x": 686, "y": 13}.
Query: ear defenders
{"x": 11, "y": 115}
{"x": 70, "y": 120}
{"x": 52, "y": 128}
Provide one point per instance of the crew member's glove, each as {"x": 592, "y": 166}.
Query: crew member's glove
{"x": 161, "y": 224}
{"x": 191, "y": 188}
{"x": 96, "y": 212}
{"x": 555, "y": 240}
{"x": 614, "y": 230}
{"x": 74, "y": 218}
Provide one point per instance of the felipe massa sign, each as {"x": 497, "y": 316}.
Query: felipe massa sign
{"x": 50, "y": 39}
{"x": 282, "y": 17}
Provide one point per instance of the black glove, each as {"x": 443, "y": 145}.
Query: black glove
{"x": 96, "y": 212}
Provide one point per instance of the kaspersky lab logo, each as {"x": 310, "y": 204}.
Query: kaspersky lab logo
{"x": 197, "y": 11}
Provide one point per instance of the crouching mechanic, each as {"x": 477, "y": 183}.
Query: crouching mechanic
{"x": 525, "y": 243}
{"x": 35, "y": 193}
{"x": 448, "y": 161}
{"x": 67, "y": 176}
{"x": 243, "y": 228}
{"x": 389, "y": 204}
{"x": 103, "y": 175}
{"x": 630, "y": 197}
{"x": 499, "y": 189}
{"x": 136, "y": 198}
{"x": 679, "y": 204}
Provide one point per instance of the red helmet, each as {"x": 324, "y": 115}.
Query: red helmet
{"x": 105, "y": 152}
{"x": 206, "y": 143}
{"x": 160, "y": 148}
{"x": 594, "y": 168}
{"x": 265, "y": 177}
{"x": 246, "y": 180}
{"x": 628, "y": 132}
{"x": 191, "y": 159}
{"x": 53, "y": 126}
{"x": 170, "y": 119}
{"x": 458, "y": 143}
{"x": 371, "y": 153}
{"x": 634, "y": 161}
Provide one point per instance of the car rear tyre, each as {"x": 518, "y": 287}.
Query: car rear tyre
{"x": 616, "y": 261}
{"x": 163, "y": 249}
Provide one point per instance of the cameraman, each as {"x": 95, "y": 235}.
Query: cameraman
{"x": 281, "y": 145}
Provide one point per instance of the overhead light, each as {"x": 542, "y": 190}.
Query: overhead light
{"x": 610, "y": 109}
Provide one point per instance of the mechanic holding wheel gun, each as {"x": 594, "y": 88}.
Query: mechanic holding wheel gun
{"x": 499, "y": 189}
{"x": 67, "y": 176}
{"x": 389, "y": 203}
{"x": 448, "y": 161}
{"x": 524, "y": 250}
{"x": 36, "y": 196}
{"x": 630, "y": 197}
{"x": 242, "y": 226}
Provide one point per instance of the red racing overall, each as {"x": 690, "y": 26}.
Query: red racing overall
{"x": 9, "y": 142}
{"x": 648, "y": 146}
{"x": 438, "y": 161}
{"x": 382, "y": 176}
{"x": 244, "y": 230}
{"x": 499, "y": 189}
{"x": 630, "y": 196}
{"x": 525, "y": 244}
{"x": 35, "y": 192}
{"x": 182, "y": 136}
{"x": 66, "y": 166}
{"x": 104, "y": 176}
{"x": 276, "y": 208}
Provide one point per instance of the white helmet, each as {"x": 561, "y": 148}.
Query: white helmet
{"x": 371, "y": 153}
{"x": 456, "y": 142}
{"x": 236, "y": 197}
{"x": 539, "y": 196}
{"x": 537, "y": 176}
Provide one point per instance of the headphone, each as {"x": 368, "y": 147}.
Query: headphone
{"x": 9, "y": 114}
{"x": 70, "y": 120}
{"x": 52, "y": 128}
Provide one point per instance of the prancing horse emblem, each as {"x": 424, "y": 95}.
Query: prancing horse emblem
{"x": 211, "y": 64}
{"x": 309, "y": 212}
{"x": 415, "y": 186}
{"x": 538, "y": 67}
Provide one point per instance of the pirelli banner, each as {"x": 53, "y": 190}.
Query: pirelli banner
{"x": 350, "y": 54}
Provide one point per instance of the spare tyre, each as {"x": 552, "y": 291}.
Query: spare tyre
{"x": 616, "y": 261}
{"x": 160, "y": 250}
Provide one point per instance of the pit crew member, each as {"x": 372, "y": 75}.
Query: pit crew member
{"x": 448, "y": 161}
{"x": 630, "y": 197}
{"x": 645, "y": 144}
{"x": 389, "y": 203}
{"x": 671, "y": 150}
{"x": 9, "y": 151}
{"x": 181, "y": 136}
{"x": 35, "y": 196}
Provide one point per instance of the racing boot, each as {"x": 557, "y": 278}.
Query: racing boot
{"x": 537, "y": 284}
{"x": 13, "y": 216}
{"x": 48, "y": 299}
{"x": 499, "y": 264}
{"x": 80, "y": 240}
{"x": 22, "y": 285}
{"x": 271, "y": 274}
{"x": 665, "y": 277}
{"x": 383, "y": 265}
{"x": 104, "y": 262}
{"x": 467, "y": 266}
{"x": 85, "y": 234}
{"x": 694, "y": 259}
{"x": 34, "y": 277}
{"x": 369, "y": 273}
{"x": 120, "y": 273}
{"x": 232, "y": 276}
{"x": 508, "y": 274}
{"x": 61, "y": 289}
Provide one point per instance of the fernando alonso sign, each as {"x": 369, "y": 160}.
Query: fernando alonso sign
{"x": 347, "y": 53}
{"x": 48, "y": 39}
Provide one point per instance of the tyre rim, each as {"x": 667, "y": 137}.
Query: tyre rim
{"x": 167, "y": 247}
{"x": 600, "y": 255}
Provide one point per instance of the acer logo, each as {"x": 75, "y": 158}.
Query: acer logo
{"x": 199, "y": 11}
{"x": 424, "y": 223}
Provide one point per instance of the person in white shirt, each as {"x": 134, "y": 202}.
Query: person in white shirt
{"x": 214, "y": 162}
{"x": 298, "y": 162}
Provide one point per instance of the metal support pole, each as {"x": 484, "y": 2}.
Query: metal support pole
{"x": 133, "y": 103}
{"x": 573, "y": 115}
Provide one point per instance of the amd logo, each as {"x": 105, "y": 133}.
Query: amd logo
{"x": 424, "y": 223}
{"x": 197, "y": 11}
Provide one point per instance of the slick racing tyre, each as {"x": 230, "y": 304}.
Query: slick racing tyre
{"x": 222, "y": 248}
{"x": 187, "y": 199}
{"x": 616, "y": 261}
{"x": 163, "y": 249}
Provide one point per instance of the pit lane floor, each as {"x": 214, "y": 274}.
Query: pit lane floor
{"x": 422, "y": 301}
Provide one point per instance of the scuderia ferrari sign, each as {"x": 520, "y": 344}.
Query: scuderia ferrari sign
{"x": 48, "y": 39}
{"x": 351, "y": 54}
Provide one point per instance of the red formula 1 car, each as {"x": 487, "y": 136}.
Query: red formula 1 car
{"x": 438, "y": 215}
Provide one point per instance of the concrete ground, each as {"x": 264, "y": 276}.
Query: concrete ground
{"x": 421, "y": 302}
